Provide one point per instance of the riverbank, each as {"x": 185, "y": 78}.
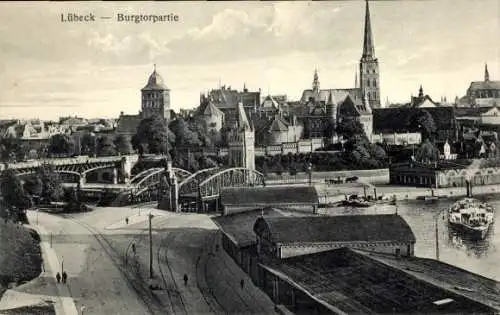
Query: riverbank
{"x": 336, "y": 193}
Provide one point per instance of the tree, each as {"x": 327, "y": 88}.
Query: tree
{"x": 34, "y": 186}
{"x": 349, "y": 127}
{"x": 88, "y": 144}
{"x": 423, "y": 122}
{"x": 184, "y": 134}
{"x": 123, "y": 144}
{"x": 206, "y": 162}
{"x": 427, "y": 152}
{"x": 105, "y": 146}
{"x": 52, "y": 185}
{"x": 11, "y": 149}
{"x": 153, "y": 136}
{"x": 60, "y": 144}
{"x": 13, "y": 192}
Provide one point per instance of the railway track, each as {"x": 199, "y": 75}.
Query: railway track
{"x": 143, "y": 293}
{"x": 201, "y": 273}
{"x": 167, "y": 276}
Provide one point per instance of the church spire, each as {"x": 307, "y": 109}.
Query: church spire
{"x": 315, "y": 84}
{"x": 368, "y": 47}
{"x": 486, "y": 73}
{"x": 420, "y": 92}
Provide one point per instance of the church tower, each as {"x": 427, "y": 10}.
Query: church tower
{"x": 368, "y": 66}
{"x": 242, "y": 141}
{"x": 155, "y": 98}
{"x": 315, "y": 85}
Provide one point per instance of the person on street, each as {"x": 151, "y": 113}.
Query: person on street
{"x": 64, "y": 277}
{"x": 126, "y": 220}
{"x": 58, "y": 277}
{"x": 185, "y": 279}
{"x": 242, "y": 283}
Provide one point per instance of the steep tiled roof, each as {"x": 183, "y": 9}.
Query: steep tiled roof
{"x": 209, "y": 109}
{"x": 278, "y": 124}
{"x": 338, "y": 94}
{"x": 352, "y": 107}
{"x": 226, "y": 98}
{"x": 269, "y": 102}
{"x": 343, "y": 228}
{"x": 127, "y": 124}
{"x": 485, "y": 85}
{"x": 242, "y": 118}
{"x": 239, "y": 226}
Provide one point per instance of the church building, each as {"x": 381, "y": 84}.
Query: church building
{"x": 369, "y": 82}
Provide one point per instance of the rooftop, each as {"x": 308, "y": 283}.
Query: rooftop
{"x": 360, "y": 283}
{"x": 269, "y": 196}
{"x": 239, "y": 226}
{"x": 342, "y": 228}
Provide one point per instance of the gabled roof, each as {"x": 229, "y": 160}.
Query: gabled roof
{"x": 278, "y": 124}
{"x": 127, "y": 124}
{"x": 338, "y": 94}
{"x": 484, "y": 85}
{"x": 209, "y": 109}
{"x": 241, "y": 117}
{"x": 225, "y": 98}
{"x": 343, "y": 228}
{"x": 419, "y": 101}
{"x": 270, "y": 102}
{"x": 352, "y": 108}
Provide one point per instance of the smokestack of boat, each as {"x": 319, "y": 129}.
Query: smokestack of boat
{"x": 469, "y": 188}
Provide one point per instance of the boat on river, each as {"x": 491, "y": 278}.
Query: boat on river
{"x": 472, "y": 217}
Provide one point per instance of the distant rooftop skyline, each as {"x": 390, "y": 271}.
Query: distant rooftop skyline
{"x": 50, "y": 68}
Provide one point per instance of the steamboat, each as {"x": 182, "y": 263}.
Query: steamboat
{"x": 471, "y": 217}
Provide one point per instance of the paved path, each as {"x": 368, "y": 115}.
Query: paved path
{"x": 186, "y": 245}
{"x": 51, "y": 265}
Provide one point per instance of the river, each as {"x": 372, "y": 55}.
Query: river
{"x": 481, "y": 257}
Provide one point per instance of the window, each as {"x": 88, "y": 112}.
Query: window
{"x": 374, "y": 83}
{"x": 368, "y": 83}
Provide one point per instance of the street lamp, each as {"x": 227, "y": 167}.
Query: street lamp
{"x": 150, "y": 216}
{"x": 437, "y": 232}
{"x": 309, "y": 170}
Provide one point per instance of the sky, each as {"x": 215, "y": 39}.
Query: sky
{"x": 50, "y": 68}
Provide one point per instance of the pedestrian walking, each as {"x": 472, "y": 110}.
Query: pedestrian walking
{"x": 58, "y": 277}
{"x": 64, "y": 277}
{"x": 242, "y": 283}
{"x": 126, "y": 220}
{"x": 185, "y": 279}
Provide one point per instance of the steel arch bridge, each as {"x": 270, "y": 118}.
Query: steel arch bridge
{"x": 211, "y": 187}
{"x": 195, "y": 190}
{"x": 147, "y": 184}
{"x": 198, "y": 192}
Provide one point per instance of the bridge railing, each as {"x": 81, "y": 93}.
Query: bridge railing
{"x": 232, "y": 177}
{"x": 65, "y": 161}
